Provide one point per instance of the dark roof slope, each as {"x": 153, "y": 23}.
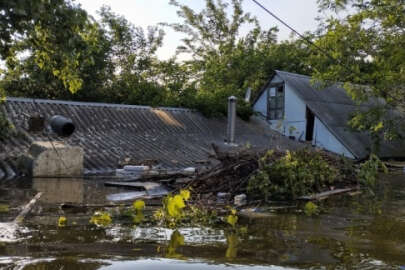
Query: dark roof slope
{"x": 333, "y": 107}
{"x": 175, "y": 137}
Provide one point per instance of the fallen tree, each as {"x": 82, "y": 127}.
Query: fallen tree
{"x": 274, "y": 175}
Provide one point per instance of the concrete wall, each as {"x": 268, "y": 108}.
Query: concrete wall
{"x": 294, "y": 122}
{"x": 325, "y": 139}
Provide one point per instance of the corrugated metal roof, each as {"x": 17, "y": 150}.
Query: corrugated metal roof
{"x": 333, "y": 107}
{"x": 175, "y": 137}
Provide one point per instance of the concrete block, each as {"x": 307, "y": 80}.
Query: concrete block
{"x": 53, "y": 159}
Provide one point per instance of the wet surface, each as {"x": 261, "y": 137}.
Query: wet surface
{"x": 352, "y": 232}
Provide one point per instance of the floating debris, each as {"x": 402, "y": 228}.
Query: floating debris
{"x": 152, "y": 189}
{"x": 124, "y": 196}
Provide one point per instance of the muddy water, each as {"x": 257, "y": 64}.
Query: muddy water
{"x": 352, "y": 232}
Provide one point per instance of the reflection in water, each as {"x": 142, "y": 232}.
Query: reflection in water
{"x": 176, "y": 240}
{"x": 56, "y": 190}
{"x": 351, "y": 233}
{"x": 232, "y": 240}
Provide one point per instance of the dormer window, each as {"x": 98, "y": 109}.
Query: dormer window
{"x": 275, "y": 102}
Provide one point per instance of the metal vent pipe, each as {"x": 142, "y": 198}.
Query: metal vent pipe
{"x": 231, "y": 119}
{"x": 61, "y": 125}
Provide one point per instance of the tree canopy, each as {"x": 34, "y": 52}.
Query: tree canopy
{"x": 367, "y": 47}
{"x": 54, "y": 49}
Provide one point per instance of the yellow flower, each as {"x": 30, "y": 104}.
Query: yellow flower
{"x": 101, "y": 219}
{"x": 62, "y": 221}
{"x": 138, "y": 205}
{"x": 175, "y": 205}
{"x": 232, "y": 219}
{"x": 185, "y": 194}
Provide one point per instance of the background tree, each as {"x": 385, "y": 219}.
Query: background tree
{"x": 52, "y": 31}
{"x": 367, "y": 53}
{"x": 132, "y": 54}
{"x": 224, "y": 62}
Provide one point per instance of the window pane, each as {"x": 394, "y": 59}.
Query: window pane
{"x": 279, "y": 114}
{"x": 273, "y": 103}
{"x": 272, "y": 92}
{"x": 280, "y": 102}
{"x": 273, "y": 114}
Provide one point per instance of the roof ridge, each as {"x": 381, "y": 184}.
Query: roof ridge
{"x": 94, "y": 104}
{"x": 293, "y": 74}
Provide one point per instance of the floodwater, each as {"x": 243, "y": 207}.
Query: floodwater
{"x": 352, "y": 232}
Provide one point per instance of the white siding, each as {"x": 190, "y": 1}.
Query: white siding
{"x": 325, "y": 139}
{"x": 261, "y": 104}
{"x": 295, "y": 115}
{"x": 294, "y": 112}
{"x": 294, "y": 122}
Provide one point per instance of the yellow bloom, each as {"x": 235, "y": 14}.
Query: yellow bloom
{"x": 62, "y": 221}
{"x": 138, "y": 205}
{"x": 185, "y": 194}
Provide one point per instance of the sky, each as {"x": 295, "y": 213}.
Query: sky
{"x": 300, "y": 14}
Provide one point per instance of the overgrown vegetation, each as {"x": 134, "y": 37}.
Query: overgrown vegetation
{"x": 295, "y": 174}
{"x": 304, "y": 172}
{"x": 369, "y": 170}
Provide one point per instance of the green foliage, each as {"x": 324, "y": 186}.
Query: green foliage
{"x": 311, "y": 209}
{"x": 369, "y": 170}
{"x": 114, "y": 61}
{"x": 34, "y": 27}
{"x": 223, "y": 63}
{"x": 295, "y": 174}
{"x": 367, "y": 45}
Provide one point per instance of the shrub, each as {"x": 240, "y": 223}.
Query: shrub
{"x": 293, "y": 175}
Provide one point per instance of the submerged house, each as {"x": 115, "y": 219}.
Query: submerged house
{"x": 291, "y": 105}
{"x": 109, "y": 133}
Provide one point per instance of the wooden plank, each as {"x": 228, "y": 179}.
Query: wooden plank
{"x": 27, "y": 208}
{"x": 325, "y": 194}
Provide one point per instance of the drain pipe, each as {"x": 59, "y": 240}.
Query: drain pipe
{"x": 231, "y": 120}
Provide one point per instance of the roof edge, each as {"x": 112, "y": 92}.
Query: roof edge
{"x": 263, "y": 88}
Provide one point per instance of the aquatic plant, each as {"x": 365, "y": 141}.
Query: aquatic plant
{"x": 138, "y": 217}
{"x": 176, "y": 240}
{"x": 232, "y": 240}
{"x": 101, "y": 219}
{"x": 62, "y": 221}
{"x": 232, "y": 218}
{"x": 311, "y": 208}
{"x": 368, "y": 172}
{"x": 173, "y": 208}
{"x": 138, "y": 205}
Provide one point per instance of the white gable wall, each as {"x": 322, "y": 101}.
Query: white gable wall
{"x": 325, "y": 139}
{"x": 294, "y": 122}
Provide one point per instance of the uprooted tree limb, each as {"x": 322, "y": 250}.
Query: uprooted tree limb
{"x": 239, "y": 165}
